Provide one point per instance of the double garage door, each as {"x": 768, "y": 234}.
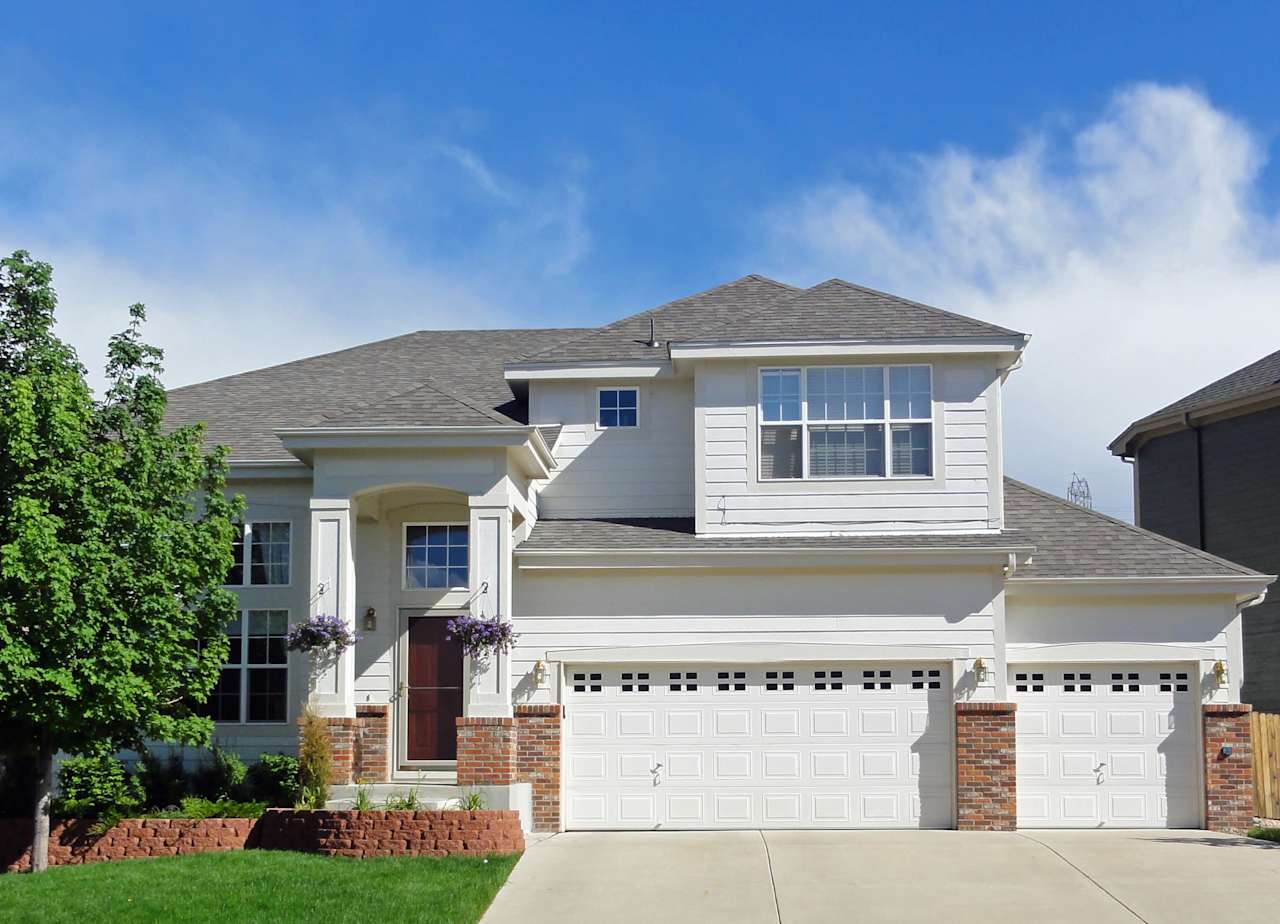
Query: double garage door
{"x": 832, "y": 745}
{"x": 1107, "y": 745}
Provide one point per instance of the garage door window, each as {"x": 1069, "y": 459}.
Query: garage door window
{"x": 933, "y": 682}
{"x": 828, "y": 680}
{"x": 877, "y": 680}
{"x": 739, "y": 684}
{"x": 689, "y": 686}
{"x": 583, "y": 683}
{"x": 635, "y": 682}
{"x": 1081, "y": 682}
{"x": 1120, "y": 685}
{"x": 779, "y": 680}
{"x": 1028, "y": 683}
{"x": 1170, "y": 682}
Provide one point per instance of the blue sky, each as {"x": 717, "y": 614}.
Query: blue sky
{"x": 274, "y": 184}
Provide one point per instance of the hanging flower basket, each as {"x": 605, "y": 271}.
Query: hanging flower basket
{"x": 321, "y": 635}
{"x": 481, "y": 638}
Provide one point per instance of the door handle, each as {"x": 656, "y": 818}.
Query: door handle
{"x": 656, "y": 770}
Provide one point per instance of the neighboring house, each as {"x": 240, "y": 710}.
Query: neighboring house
{"x": 1206, "y": 471}
{"x": 762, "y": 558}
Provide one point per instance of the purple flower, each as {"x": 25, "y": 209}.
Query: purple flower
{"x": 481, "y": 637}
{"x": 321, "y": 632}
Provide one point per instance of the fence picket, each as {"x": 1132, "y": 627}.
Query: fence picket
{"x": 1266, "y": 764}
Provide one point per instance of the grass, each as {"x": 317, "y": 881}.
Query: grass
{"x": 1265, "y": 834}
{"x": 259, "y": 885}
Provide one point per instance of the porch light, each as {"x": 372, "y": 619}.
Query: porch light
{"x": 980, "y": 671}
{"x": 370, "y": 619}
{"x": 1220, "y": 672}
{"x": 539, "y": 673}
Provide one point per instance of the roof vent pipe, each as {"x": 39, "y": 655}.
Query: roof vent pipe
{"x": 653, "y": 339}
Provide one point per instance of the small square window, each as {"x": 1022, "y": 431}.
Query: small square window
{"x": 619, "y": 407}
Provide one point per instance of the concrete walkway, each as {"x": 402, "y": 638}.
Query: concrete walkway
{"x": 750, "y": 877}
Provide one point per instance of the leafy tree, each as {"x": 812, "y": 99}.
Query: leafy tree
{"x": 115, "y": 538}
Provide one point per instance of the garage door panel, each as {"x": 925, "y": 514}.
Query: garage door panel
{"x": 1097, "y": 745}
{"x": 735, "y": 747}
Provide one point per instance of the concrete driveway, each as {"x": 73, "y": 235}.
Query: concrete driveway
{"x": 750, "y": 877}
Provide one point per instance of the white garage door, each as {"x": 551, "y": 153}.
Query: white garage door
{"x": 837, "y": 745}
{"x": 1104, "y": 745}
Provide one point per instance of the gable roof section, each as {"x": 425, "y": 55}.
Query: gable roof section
{"x": 1073, "y": 542}
{"x": 1069, "y": 541}
{"x": 682, "y": 319}
{"x": 1256, "y": 379}
{"x": 458, "y": 374}
{"x": 840, "y": 310}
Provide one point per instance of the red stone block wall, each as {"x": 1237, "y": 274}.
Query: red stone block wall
{"x": 986, "y": 767}
{"x": 386, "y": 834}
{"x": 538, "y": 757}
{"x": 1228, "y": 779}
{"x": 486, "y": 751}
{"x": 70, "y": 842}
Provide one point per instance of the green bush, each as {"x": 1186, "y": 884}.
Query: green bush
{"x": 196, "y": 807}
{"x": 274, "y": 780}
{"x": 97, "y": 785}
{"x": 165, "y": 782}
{"x": 1265, "y": 834}
{"x": 222, "y": 776}
{"x": 315, "y": 760}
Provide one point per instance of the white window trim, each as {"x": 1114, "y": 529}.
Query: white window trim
{"x": 804, "y": 424}
{"x": 603, "y": 388}
{"x": 243, "y": 666}
{"x": 247, "y": 558}
{"x": 404, "y": 554}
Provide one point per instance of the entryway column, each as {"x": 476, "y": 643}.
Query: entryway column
{"x": 1228, "y": 767}
{"x": 489, "y": 683}
{"x": 332, "y": 591}
{"x": 986, "y": 767}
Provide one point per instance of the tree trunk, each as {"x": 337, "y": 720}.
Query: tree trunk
{"x": 44, "y": 798}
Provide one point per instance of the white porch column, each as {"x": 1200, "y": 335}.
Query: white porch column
{"x": 332, "y": 590}
{"x": 489, "y": 685}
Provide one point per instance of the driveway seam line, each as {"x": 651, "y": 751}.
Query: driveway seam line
{"x": 1099, "y": 885}
{"x": 773, "y": 885}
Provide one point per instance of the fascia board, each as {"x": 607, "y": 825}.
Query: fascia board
{"x": 1115, "y": 652}
{"x": 771, "y": 558}
{"x": 755, "y": 653}
{"x": 523, "y": 372}
{"x": 1140, "y": 432}
{"x": 725, "y": 349}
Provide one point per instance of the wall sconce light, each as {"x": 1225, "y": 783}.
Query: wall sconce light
{"x": 1220, "y": 672}
{"x": 539, "y": 673}
{"x": 980, "y": 671}
{"x": 370, "y": 619}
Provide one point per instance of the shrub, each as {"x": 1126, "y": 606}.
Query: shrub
{"x": 221, "y": 776}
{"x": 274, "y": 780}
{"x": 196, "y": 807}
{"x": 164, "y": 782}
{"x": 1265, "y": 834}
{"x": 471, "y": 802}
{"x": 97, "y": 785}
{"x": 405, "y": 803}
{"x": 17, "y": 784}
{"x": 315, "y": 760}
{"x": 364, "y": 799}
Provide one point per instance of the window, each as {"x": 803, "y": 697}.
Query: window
{"x": 435, "y": 556}
{"x": 788, "y": 680}
{"x": 619, "y": 407}
{"x": 580, "y": 684}
{"x": 641, "y": 687}
{"x": 869, "y": 681}
{"x": 254, "y": 683}
{"x": 691, "y": 684}
{"x": 1024, "y": 683}
{"x": 1166, "y": 686}
{"x": 268, "y": 554}
{"x": 820, "y": 681}
{"x": 737, "y": 686}
{"x": 1118, "y": 686}
{"x": 933, "y": 682}
{"x": 1081, "y": 683}
{"x": 846, "y": 422}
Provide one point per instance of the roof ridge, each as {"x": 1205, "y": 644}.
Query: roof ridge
{"x": 675, "y": 301}
{"x": 1230, "y": 375}
{"x": 1147, "y": 533}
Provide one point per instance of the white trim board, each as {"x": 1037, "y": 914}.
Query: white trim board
{"x": 1081, "y": 652}
{"x": 755, "y": 653}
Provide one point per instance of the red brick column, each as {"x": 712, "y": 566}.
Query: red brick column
{"x": 986, "y": 771}
{"x": 372, "y": 744}
{"x": 1228, "y": 778}
{"x": 538, "y": 757}
{"x": 486, "y": 751}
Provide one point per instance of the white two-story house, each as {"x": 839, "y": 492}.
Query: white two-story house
{"x": 765, "y": 567}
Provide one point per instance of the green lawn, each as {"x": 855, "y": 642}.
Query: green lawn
{"x": 258, "y": 885}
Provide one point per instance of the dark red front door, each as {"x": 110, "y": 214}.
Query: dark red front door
{"x": 434, "y": 690}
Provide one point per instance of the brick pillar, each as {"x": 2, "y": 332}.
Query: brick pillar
{"x": 342, "y": 744}
{"x": 486, "y": 751}
{"x": 986, "y": 771}
{"x": 372, "y": 744}
{"x": 1228, "y": 779}
{"x": 538, "y": 756}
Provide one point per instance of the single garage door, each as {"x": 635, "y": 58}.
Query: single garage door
{"x": 836, "y": 745}
{"x": 1105, "y": 745}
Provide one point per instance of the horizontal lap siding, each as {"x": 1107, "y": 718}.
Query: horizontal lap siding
{"x": 735, "y": 501}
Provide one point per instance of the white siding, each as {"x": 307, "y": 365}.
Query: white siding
{"x": 560, "y": 609}
{"x": 963, "y": 496}
{"x": 641, "y": 472}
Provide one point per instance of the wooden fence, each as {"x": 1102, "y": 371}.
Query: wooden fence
{"x": 1266, "y": 764}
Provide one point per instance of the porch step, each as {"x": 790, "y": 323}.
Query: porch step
{"x": 429, "y": 795}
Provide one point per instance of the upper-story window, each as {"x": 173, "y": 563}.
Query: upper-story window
{"x": 846, "y": 422}
{"x": 435, "y": 556}
{"x": 267, "y": 545}
{"x": 618, "y": 407}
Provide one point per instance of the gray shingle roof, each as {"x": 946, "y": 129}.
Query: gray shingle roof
{"x": 1069, "y": 541}
{"x": 677, "y": 534}
{"x": 441, "y": 378}
{"x": 839, "y": 310}
{"x": 1255, "y": 378}
{"x": 1074, "y": 542}
{"x": 681, "y": 319}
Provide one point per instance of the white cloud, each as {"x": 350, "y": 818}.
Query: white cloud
{"x": 1133, "y": 249}
{"x": 248, "y": 252}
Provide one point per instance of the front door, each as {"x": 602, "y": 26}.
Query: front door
{"x": 433, "y": 690}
